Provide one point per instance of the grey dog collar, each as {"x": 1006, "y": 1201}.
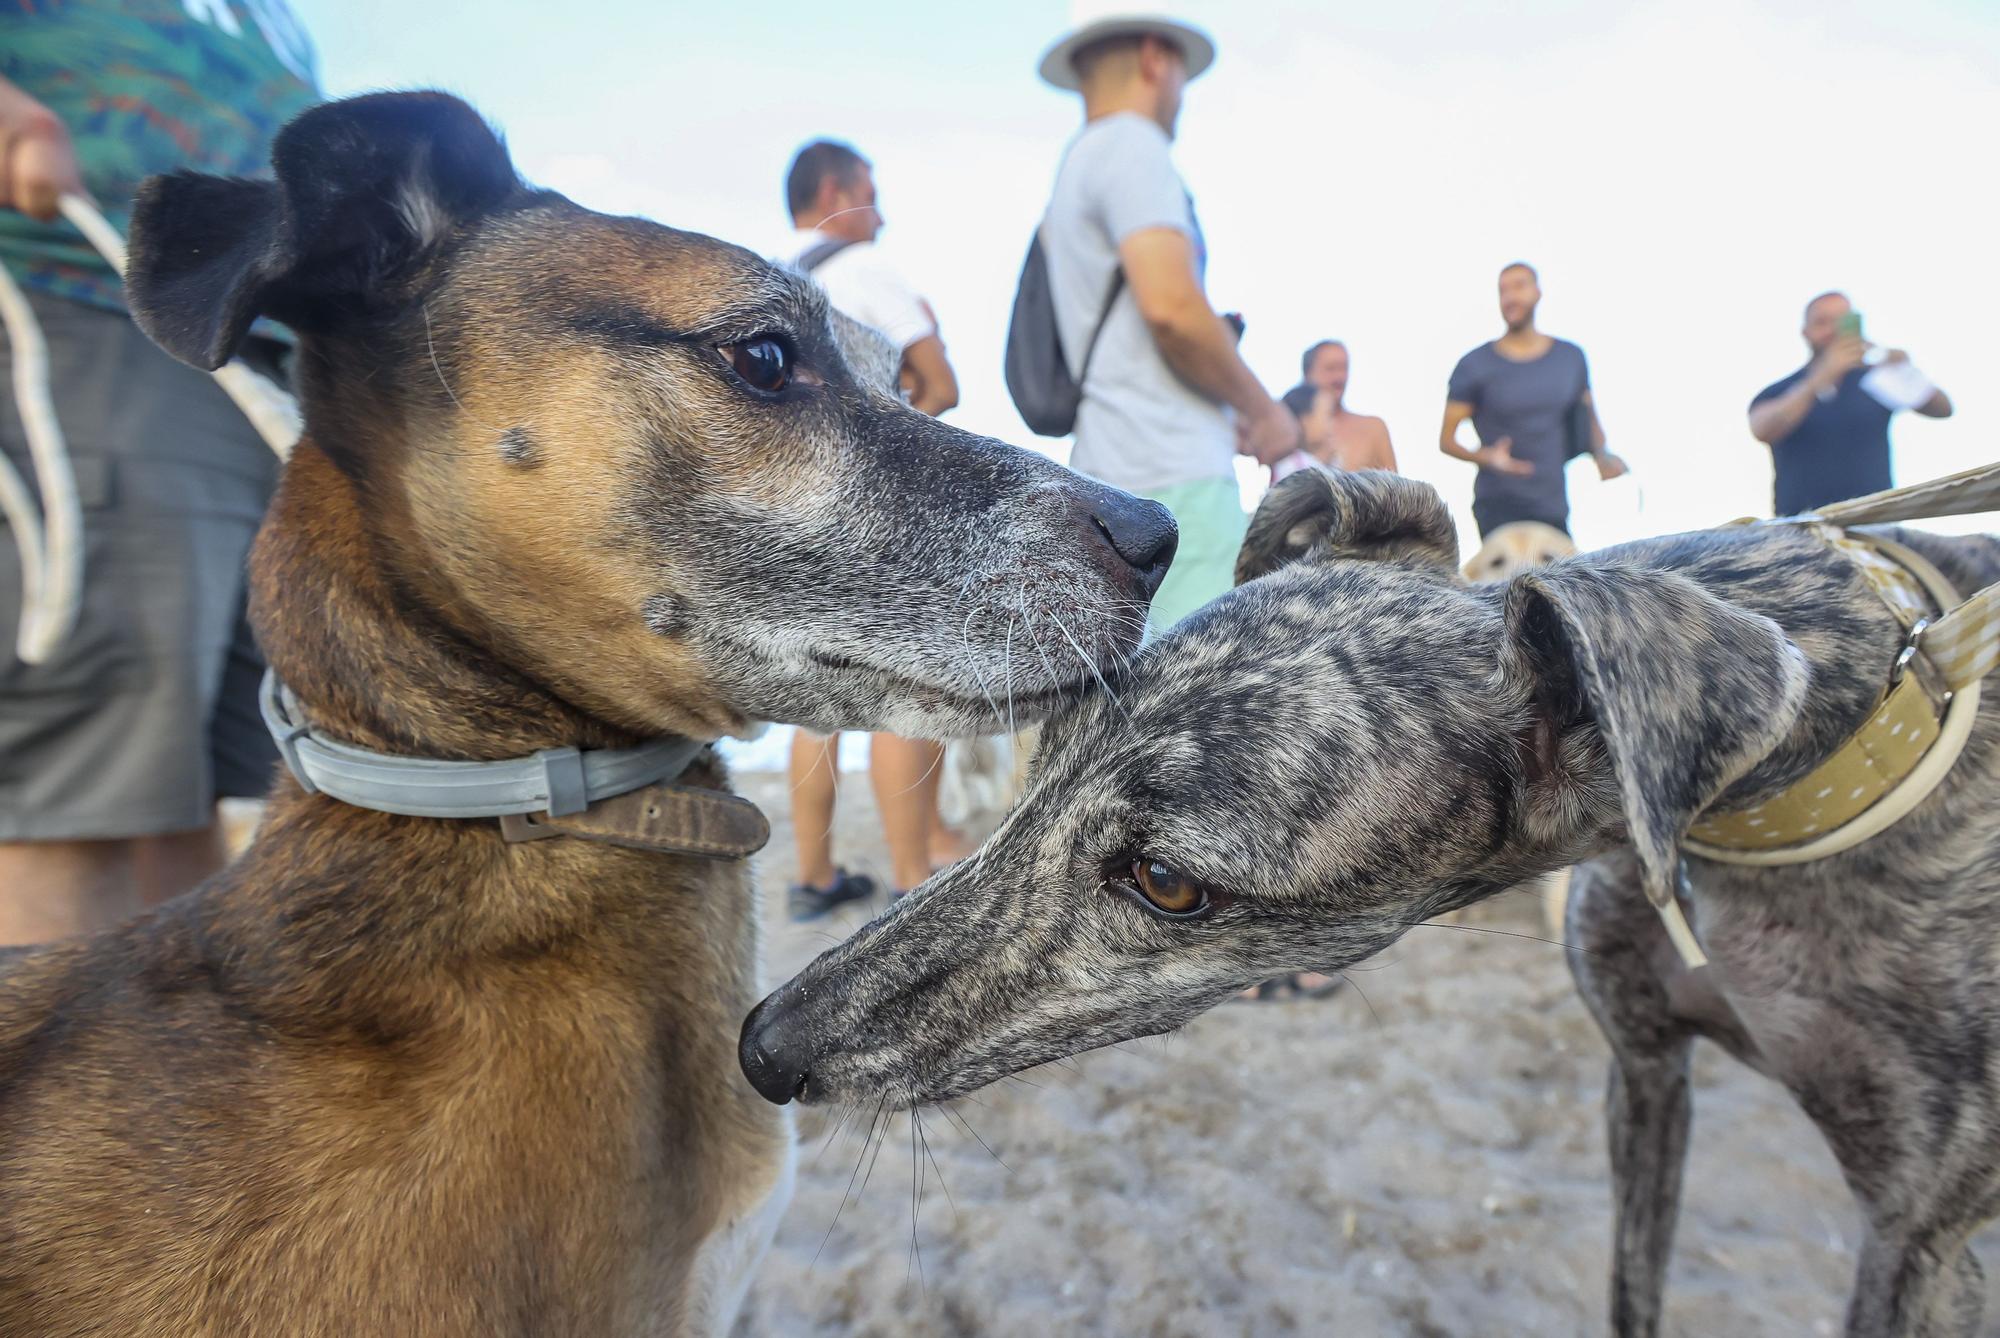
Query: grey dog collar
{"x": 556, "y": 781}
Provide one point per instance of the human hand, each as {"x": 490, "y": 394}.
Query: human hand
{"x": 1836, "y": 360}
{"x": 1895, "y": 355}
{"x": 1499, "y": 457}
{"x": 1611, "y": 467}
{"x": 1268, "y": 436}
{"x": 37, "y": 164}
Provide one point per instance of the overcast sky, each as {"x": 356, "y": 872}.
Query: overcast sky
{"x": 1685, "y": 173}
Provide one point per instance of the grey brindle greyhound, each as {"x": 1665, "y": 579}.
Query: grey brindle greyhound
{"x": 1357, "y": 740}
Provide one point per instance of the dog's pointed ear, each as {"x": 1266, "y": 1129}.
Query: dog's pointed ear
{"x": 365, "y": 190}
{"x": 1316, "y": 516}
{"x": 1686, "y": 693}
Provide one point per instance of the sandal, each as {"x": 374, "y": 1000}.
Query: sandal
{"x": 1288, "y": 988}
{"x": 809, "y": 903}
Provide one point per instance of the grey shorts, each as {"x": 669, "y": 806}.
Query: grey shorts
{"x": 148, "y": 713}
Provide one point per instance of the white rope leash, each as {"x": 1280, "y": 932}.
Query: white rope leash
{"x": 270, "y": 410}
{"x": 52, "y": 548}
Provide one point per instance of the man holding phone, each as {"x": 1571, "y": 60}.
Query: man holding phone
{"x": 1827, "y": 429}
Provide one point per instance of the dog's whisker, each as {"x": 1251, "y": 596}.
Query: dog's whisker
{"x": 1007, "y": 674}
{"x": 972, "y": 663}
{"x": 430, "y": 347}
{"x": 880, "y": 1141}
{"x": 916, "y": 1204}
{"x": 1048, "y": 665}
{"x": 1349, "y": 981}
{"x": 841, "y": 1207}
{"x": 847, "y": 1112}
{"x": 924, "y": 1138}
{"x": 1504, "y": 933}
{"x": 1091, "y": 665}
{"x": 958, "y": 1118}
{"x": 832, "y": 765}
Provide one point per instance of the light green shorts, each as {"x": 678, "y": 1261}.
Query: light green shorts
{"x": 1210, "y": 514}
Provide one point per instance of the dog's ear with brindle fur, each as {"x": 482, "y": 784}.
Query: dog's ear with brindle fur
{"x": 1680, "y": 724}
{"x": 366, "y": 190}
{"x": 1316, "y": 516}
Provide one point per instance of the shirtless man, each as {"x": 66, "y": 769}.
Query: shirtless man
{"x": 1336, "y": 436}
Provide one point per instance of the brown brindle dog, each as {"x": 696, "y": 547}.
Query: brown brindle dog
{"x": 567, "y": 480}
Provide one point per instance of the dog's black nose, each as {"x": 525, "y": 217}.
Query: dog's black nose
{"x": 774, "y": 1051}
{"x": 1142, "y": 533}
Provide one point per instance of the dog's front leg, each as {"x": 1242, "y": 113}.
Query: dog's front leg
{"x": 1647, "y": 1111}
{"x": 1908, "y": 1286}
{"x": 1648, "y": 1106}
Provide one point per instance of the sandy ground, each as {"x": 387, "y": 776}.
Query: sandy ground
{"x": 1421, "y": 1154}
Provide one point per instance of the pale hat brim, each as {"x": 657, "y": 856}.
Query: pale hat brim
{"x": 1059, "y": 62}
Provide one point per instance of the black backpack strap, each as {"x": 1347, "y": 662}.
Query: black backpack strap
{"x": 819, "y": 253}
{"x": 1111, "y": 299}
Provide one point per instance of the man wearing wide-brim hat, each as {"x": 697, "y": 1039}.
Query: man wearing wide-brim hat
{"x": 1164, "y": 373}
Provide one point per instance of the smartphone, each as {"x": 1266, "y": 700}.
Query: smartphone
{"x": 1850, "y": 325}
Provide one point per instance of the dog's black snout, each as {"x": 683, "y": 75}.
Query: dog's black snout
{"x": 1141, "y": 532}
{"x": 774, "y": 1052}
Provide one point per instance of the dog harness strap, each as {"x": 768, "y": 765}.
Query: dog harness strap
{"x": 1963, "y": 643}
{"x": 558, "y": 781}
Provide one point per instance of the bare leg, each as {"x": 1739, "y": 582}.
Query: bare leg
{"x": 948, "y": 845}
{"x": 166, "y": 866}
{"x": 815, "y": 776}
{"x": 55, "y": 889}
{"x": 905, "y": 776}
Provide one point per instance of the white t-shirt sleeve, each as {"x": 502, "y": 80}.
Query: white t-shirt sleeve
{"x": 1134, "y": 183}
{"x": 868, "y": 288}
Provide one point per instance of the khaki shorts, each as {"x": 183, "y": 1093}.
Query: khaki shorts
{"x": 147, "y": 714}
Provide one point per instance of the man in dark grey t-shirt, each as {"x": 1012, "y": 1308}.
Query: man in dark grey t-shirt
{"x": 1528, "y": 396}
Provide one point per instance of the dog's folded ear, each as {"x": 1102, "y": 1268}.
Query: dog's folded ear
{"x": 1686, "y": 692}
{"x": 366, "y": 189}
{"x": 1316, "y": 516}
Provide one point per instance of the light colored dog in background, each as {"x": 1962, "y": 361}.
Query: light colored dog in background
{"x": 1516, "y": 547}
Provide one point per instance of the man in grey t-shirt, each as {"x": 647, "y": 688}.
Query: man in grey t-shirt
{"x": 1521, "y": 391}
{"x": 1155, "y": 414}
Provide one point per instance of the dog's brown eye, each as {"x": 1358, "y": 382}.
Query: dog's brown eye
{"x": 1168, "y": 888}
{"x": 763, "y": 363}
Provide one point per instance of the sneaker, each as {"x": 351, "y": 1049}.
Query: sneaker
{"x": 809, "y": 903}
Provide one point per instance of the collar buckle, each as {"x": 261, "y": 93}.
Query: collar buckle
{"x": 1911, "y": 659}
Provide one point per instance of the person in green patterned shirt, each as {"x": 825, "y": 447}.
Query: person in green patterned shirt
{"x": 113, "y": 754}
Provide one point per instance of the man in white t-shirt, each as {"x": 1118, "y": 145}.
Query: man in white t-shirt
{"x": 1165, "y": 374}
{"x": 831, "y": 192}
